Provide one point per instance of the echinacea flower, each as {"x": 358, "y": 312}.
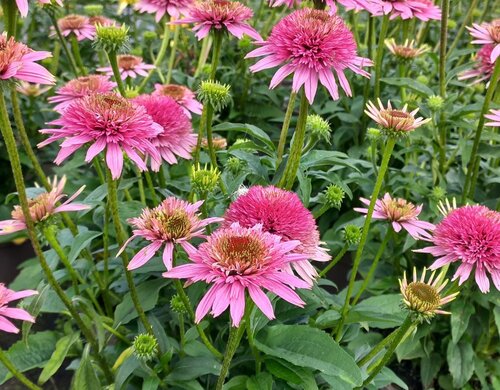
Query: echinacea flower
{"x": 173, "y": 221}
{"x": 356, "y": 5}
{"x": 99, "y": 20}
{"x": 106, "y": 121}
{"x": 406, "y": 9}
{"x": 130, "y": 66}
{"x": 494, "y": 116}
{"x": 17, "y": 61}
{"x": 30, "y": 89}
{"x": 393, "y": 120}
{"x": 177, "y": 137}
{"x": 406, "y": 51}
{"x": 469, "y": 235}
{"x": 78, "y": 25}
{"x": 220, "y": 15}
{"x": 423, "y": 298}
{"x": 218, "y": 142}
{"x": 487, "y": 34}
{"x": 79, "y": 88}
{"x": 282, "y": 213}
{"x": 312, "y": 45}
{"x": 182, "y": 95}
{"x": 161, "y": 7}
{"x": 402, "y": 215}
{"x": 42, "y": 207}
{"x": 237, "y": 259}
{"x": 6, "y": 296}
{"x": 482, "y": 68}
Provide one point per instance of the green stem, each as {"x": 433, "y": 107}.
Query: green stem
{"x": 474, "y": 162}
{"x": 201, "y": 332}
{"x": 445, "y": 5}
{"x": 13, "y": 155}
{"x": 332, "y": 263}
{"x": 233, "y": 341}
{"x": 377, "y": 348}
{"x": 216, "y": 54}
{"x": 465, "y": 22}
{"x": 67, "y": 53}
{"x": 120, "y": 236}
{"x": 161, "y": 178}
{"x": 113, "y": 61}
{"x": 210, "y": 141}
{"x": 159, "y": 57}
{"x": 380, "y": 54}
{"x": 10, "y": 13}
{"x": 402, "y": 73}
{"x": 373, "y": 267}
{"x": 201, "y": 131}
{"x": 173, "y": 51}
{"x": 323, "y": 209}
{"x": 366, "y": 227}
{"x": 396, "y": 340}
{"x": 250, "y": 336}
{"x": 76, "y": 53}
{"x": 151, "y": 187}
{"x": 285, "y": 127}
{"x": 293, "y": 162}
{"x": 4, "y": 359}
{"x": 202, "y": 60}
{"x": 140, "y": 185}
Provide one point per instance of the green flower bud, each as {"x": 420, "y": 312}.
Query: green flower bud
{"x": 245, "y": 43}
{"x": 215, "y": 94}
{"x": 435, "y": 102}
{"x": 131, "y": 92}
{"x": 235, "y": 165}
{"x": 177, "y": 305}
{"x": 204, "y": 180}
{"x": 318, "y": 127}
{"x": 423, "y": 79}
{"x": 239, "y": 141}
{"x": 93, "y": 9}
{"x": 334, "y": 195}
{"x": 438, "y": 193}
{"x": 145, "y": 346}
{"x": 352, "y": 234}
{"x": 452, "y": 24}
{"x": 373, "y": 133}
{"x": 111, "y": 39}
{"x": 477, "y": 12}
{"x": 149, "y": 36}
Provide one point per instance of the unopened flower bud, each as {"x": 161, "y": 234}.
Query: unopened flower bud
{"x": 318, "y": 127}
{"x": 235, "y": 165}
{"x": 215, "y": 94}
{"x": 438, "y": 193}
{"x": 334, "y": 195}
{"x": 145, "y": 346}
{"x": 111, "y": 39}
{"x": 423, "y": 79}
{"x": 131, "y": 92}
{"x": 149, "y": 36}
{"x": 435, "y": 102}
{"x": 93, "y": 9}
{"x": 452, "y": 24}
{"x": 204, "y": 180}
{"x": 177, "y": 305}
{"x": 373, "y": 133}
{"x": 352, "y": 234}
{"x": 245, "y": 43}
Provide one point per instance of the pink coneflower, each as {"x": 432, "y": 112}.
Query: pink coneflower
{"x": 406, "y": 51}
{"x": 470, "y": 235}
{"x": 220, "y": 15}
{"x": 17, "y": 61}
{"x": 78, "y": 25}
{"x": 177, "y": 137}
{"x": 487, "y": 34}
{"x": 42, "y": 207}
{"x": 173, "y": 221}
{"x": 182, "y": 95}
{"x": 483, "y": 67}
{"x": 130, "y": 66}
{"x": 107, "y": 121}
{"x": 6, "y": 296}
{"x": 30, "y": 89}
{"x": 281, "y": 212}
{"x": 236, "y": 259}
{"x": 161, "y": 7}
{"x": 402, "y": 215}
{"x": 399, "y": 121}
{"x": 99, "y": 20}
{"x": 493, "y": 116}
{"x": 406, "y": 9}
{"x": 79, "y": 88}
{"x": 348, "y": 4}
{"x": 313, "y": 45}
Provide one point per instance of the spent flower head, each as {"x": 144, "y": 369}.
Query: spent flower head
{"x": 334, "y": 195}
{"x": 435, "y": 102}
{"x": 145, "y": 346}
{"x": 177, "y": 304}
{"x": 405, "y": 52}
{"x": 352, "y": 234}
{"x": 214, "y": 93}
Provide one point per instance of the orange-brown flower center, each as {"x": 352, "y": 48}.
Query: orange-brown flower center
{"x": 40, "y": 208}
{"x": 494, "y": 30}
{"x": 72, "y": 22}
{"x": 128, "y": 62}
{"x": 174, "y": 225}
{"x": 10, "y": 51}
{"x": 176, "y": 92}
{"x": 397, "y": 118}
{"x": 239, "y": 255}
{"x": 422, "y": 297}
{"x": 399, "y": 209}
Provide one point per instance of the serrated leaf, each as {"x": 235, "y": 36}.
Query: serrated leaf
{"x": 56, "y": 360}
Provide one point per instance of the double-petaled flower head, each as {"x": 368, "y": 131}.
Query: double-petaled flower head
{"x": 406, "y": 51}
{"x": 423, "y": 298}
{"x": 237, "y": 259}
{"x": 78, "y": 25}
{"x": 487, "y": 34}
{"x": 314, "y": 46}
{"x": 282, "y": 213}
{"x": 401, "y": 214}
{"x": 182, "y": 95}
{"x": 80, "y": 87}
{"x": 162, "y": 7}
{"x": 469, "y": 235}
{"x": 7, "y": 296}
{"x": 42, "y": 207}
{"x": 173, "y": 221}
{"x": 392, "y": 121}
{"x": 406, "y": 9}
{"x": 106, "y": 122}
{"x": 17, "y": 61}
{"x": 483, "y": 66}
{"x": 130, "y": 66}
{"x": 220, "y": 16}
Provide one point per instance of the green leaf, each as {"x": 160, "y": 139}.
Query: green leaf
{"x": 461, "y": 311}
{"x": 34, "y": 309}
{"x": 80, "y": 242}
{"x": 309, "y": 347}
{"x": 385, "y": 378}
{"x": 252, "y": 130}
{"x": 236, "y": 383}
{"x": 460, "y": 362}
{"x": 382, "y": 311}
{"x": 261, "y": 381}
{"x": 148, "y": 296}
{"x": 429, "y": 368}
{"x": 86, "y": 377}
{"x": 34, "y": 354}
{"x": 328, "y": 319}
{"x": 412, "y": 84}
{"x": 56, "y": 360}
{"x": 496, "y": 313}
{"x": 192, "y": 368}
{"x": 291, "y": 373}
{"x": 150, "y": 383}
